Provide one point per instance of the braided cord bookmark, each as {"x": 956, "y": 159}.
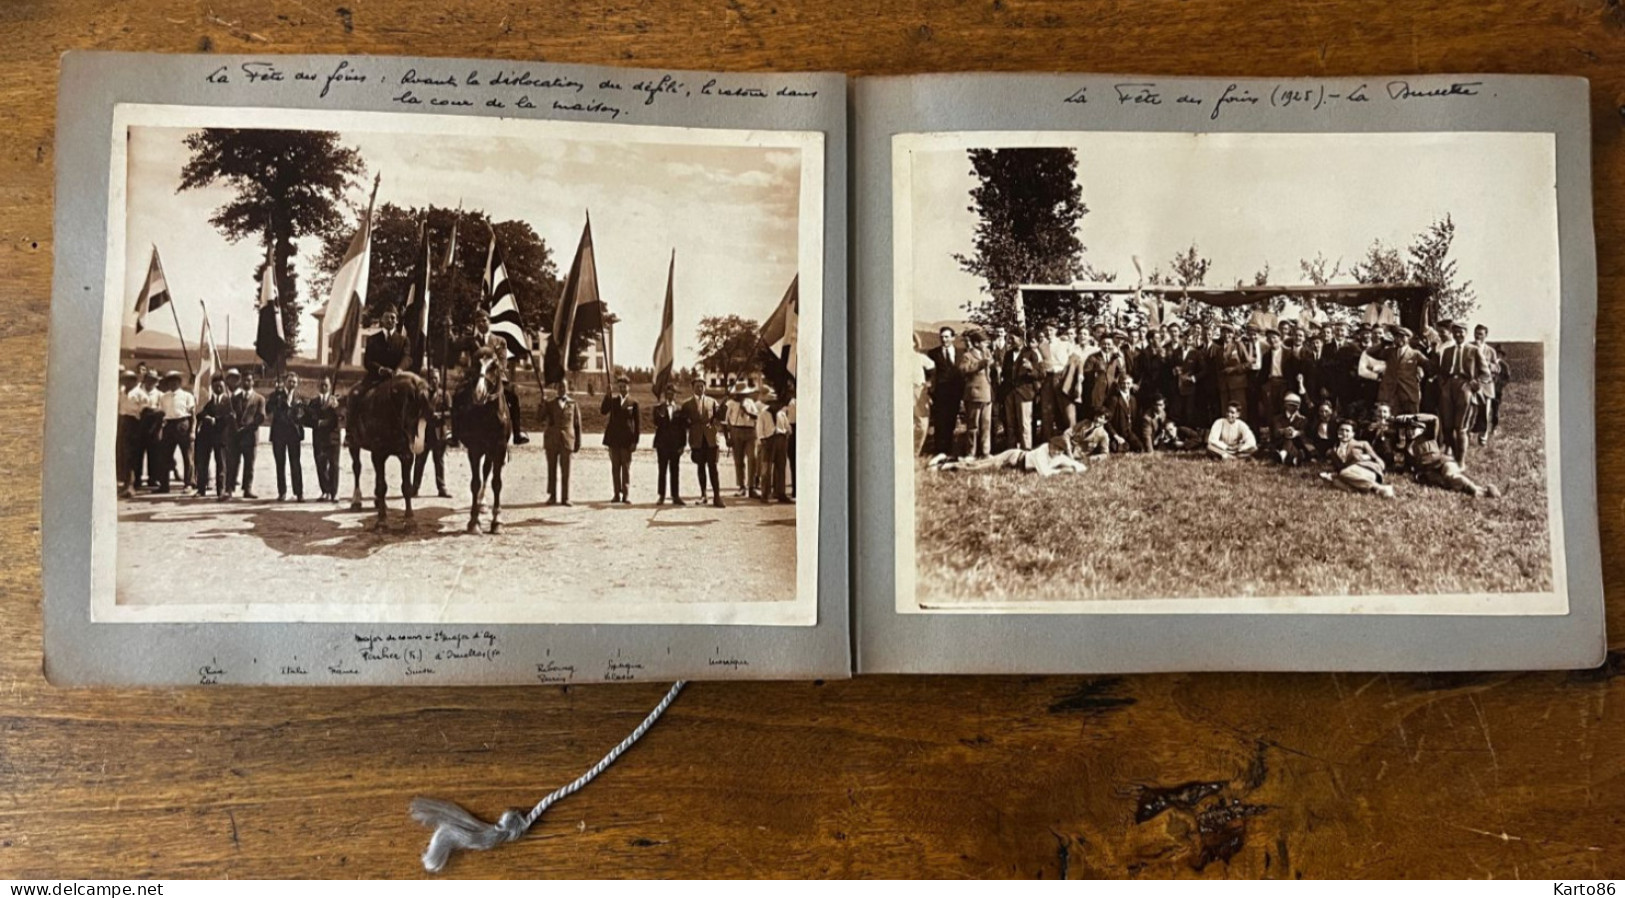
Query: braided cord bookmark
{"x": 456, "y": 828}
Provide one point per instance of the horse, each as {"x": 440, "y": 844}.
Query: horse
{"x": 480, "y": 421}
{"x": 389, "y": 421}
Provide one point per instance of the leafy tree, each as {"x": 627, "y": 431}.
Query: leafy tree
{"x": 1382, "y": 265}
{"x": 727, "y": 345}
{"x": 1430, "y": 264}
{"x": 456, "y": 293}
{"x": 1029, "y": 205}
{"x": 289, "y": 185}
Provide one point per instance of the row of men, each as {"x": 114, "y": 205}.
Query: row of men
{"x": 158, "y": 446}
{"x": 1359, "y": 455}
{"x": 1011, "y": 389}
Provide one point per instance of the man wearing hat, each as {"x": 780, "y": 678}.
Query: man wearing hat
{"x": 177, "y": 404}
{"x": 620, "y": 436}
{"x": 561, "y": 439}
{"x": 1235, "y": 366}
{"x": 209, "y": 450}
{"x": 772, "y": 435}
{"x": 1276, "y": 369}
{"x": 975, "y": 365}
{"x": 1289, "y": 433}
{"x": 740, "y": 412}
{"x": 704, "y": 415}
{"x": 482, "y": 338}
{"x": 1461, "y": 367}
{"x": 151, "y": 430}
{"x": 1405, "y": 365}
{"x": 129, "y": 430}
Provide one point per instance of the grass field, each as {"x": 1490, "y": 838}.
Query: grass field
{"x": 1182, "y": 526}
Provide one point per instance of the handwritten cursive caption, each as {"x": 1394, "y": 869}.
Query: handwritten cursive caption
{"x": 523, "y": 89}
{"x": 1299, "y": 96}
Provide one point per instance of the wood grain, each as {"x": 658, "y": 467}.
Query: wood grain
{"x": 1241, "y": 775}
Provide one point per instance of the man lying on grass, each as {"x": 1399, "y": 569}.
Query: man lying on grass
{"x": 1058, "y": 456}
{"x": 1430, "y": 463}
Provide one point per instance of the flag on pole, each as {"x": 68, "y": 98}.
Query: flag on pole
{"x": 778, "y": 338}
{"x": 270, "y": 343}
{"x": 415, "y": 314}
{"x": 154, "y": 292}
{"x": 341, "y": 326}
{"x": 500, "y": 302}
{"x": 450, "y": 257}
{"x": 579, "y": 311}
{"x": 207, "y": 365}
{"x": 663, "y": 344}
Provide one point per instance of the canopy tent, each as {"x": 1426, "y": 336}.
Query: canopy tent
{"x": 1410, "y": 299}
{"x": 928, "y": 334}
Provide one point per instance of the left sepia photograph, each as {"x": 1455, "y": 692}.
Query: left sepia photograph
{"x": 418, "y": 368}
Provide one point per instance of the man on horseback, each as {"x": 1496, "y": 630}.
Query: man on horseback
{"x": 386, "y": 353}
{"x": 484, "y": 338}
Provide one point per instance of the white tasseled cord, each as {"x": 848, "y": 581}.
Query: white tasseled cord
{"x": 456, "y": 828}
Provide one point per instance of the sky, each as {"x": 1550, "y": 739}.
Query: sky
{"x": 730, "y": 211}
{"x": 1251, "y": 199}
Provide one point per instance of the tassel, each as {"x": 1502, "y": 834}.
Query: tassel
{"x": 456, "y": 828}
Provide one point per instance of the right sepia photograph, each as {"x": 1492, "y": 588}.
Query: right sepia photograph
{"x": 1228, "y": 373}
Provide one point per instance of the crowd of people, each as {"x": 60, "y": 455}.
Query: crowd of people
{"x": 172, "y": 441}
{"x": 1366, "y": 402}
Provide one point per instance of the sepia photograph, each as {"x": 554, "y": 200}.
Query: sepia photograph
{"x": 419, "y": 368}
{"x": 1186, "y": 373}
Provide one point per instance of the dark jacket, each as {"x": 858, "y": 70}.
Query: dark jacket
{"x": 249, "y": 410}
{"x": 671, "y": 428}
{"x": 621, "y": 427}
{"x": 287, "y": 413}
{"x": 385, "y": 354}
{"x": 561, "y": 425}
{"x": 323, "y": 419}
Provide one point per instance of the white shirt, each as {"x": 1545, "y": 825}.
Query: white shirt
{"x": 767, "y": 425}
{"x": 134, "y": 401}
{"x": 741, "y": 412}
{"x": 176, "y": 404}
{"x": 1233, "y": 435}
{"x": 790, "y": 411}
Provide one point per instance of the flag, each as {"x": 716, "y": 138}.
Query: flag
{"x": 500, "y": 302}
{"x": 341, "y": 326}
{"x": 415, "y": 311}
{"x": 207, "y": 365}
{"x": 663, "y": 345}
{"x": 154, "y": 292}
{"x": 450, "y": 257}
{"x": 580, "y": 309}
{"x": 777, "y": 340}
{"x": 270, "y": 343}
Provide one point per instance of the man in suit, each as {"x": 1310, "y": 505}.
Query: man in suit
{"x": 671, "y": 435}
{"x": 1275, "y": 372}
{"x": 1462, "y": 371}
{"x": 1104, "y": 373}
{"x": 1123, "y": 419}
{"x": 436, "y": 436}
{"x": 1405, "y": 366}
{"x": 323, "y": 420}
{"x": 704, "y": 420}
{"x": 1026, "y": 380}
{"x": 227, "y": 420}
{"x": 481, "y": 338}
{"x": 621, "y": 436}
{"x": 1491, "y": 385}
{"x": 947, "y": 392}
{"x": 974, "y": 366}
{"x": 1234, "y": 361}
{"x": 561, "y": 438}
{"x": 249, "y": 408}
{"x": 287, "y": 413}
{"x": 1311, "y": 367}
{"x": 387, "y": 351}
{"x": 209, "y": 448}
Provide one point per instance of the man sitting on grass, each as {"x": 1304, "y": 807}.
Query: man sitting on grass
{"x": 1430, "y": 463}
{"x": 1230, "y": 438}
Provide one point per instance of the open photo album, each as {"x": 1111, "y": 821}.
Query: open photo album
{"x": 373, "y": 370}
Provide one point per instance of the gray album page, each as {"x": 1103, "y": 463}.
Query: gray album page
{"x": 385, "y": 370}
{"x": 1157, "y": 374}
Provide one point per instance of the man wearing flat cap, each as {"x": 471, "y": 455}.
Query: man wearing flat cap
{"x": 1405, "y": 366}
{"x": 621, "y": 434}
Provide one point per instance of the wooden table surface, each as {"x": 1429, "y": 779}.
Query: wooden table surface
{"x": 1350, "y": 775}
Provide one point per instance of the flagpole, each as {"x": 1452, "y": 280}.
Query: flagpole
{"x": 179, "y": 334}
{"x": 338, "y": 358}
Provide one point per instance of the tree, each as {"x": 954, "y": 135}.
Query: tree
{"x": 1381, "y": 265}
{"x": 1029, "y": 205}
{"x": 1430, "y": 264}
{"x": 289, "y": 185}
{"x": 727, "y": 346}
{"x": 454, "y": 294}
